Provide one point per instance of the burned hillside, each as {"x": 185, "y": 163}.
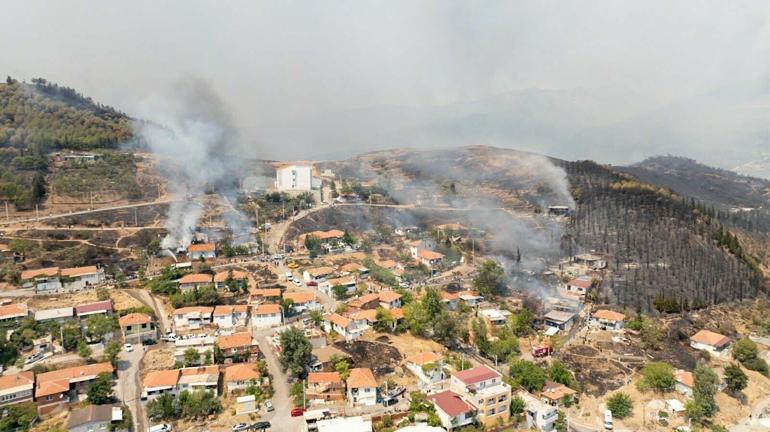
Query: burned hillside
{"x": 668, "y": 254}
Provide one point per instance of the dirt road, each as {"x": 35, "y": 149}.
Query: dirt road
{"x": 85, "y": 212}
{"x": 149, "y": 300}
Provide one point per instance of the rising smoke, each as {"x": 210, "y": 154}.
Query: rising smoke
{"x": 192, "y": 133}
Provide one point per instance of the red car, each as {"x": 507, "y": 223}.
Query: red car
{"x": 297, "y": 411}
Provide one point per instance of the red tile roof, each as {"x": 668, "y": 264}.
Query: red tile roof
{"x": 241, "y": 372}
{"x": 79, "y": 271}
{"x": 195, "y": 278}
{"x": 58, "y": 381}
{"x": 236, "y": 275}
{"x": 8, "y": 382}
{"x": 102, "y": 306}
{"x": 267, "y": 308}
{"x": 450, "y": 402}
{"x": 203, "y": 247}
{"x": 710, "y": 338}
{"x": 235, "y": 340}
{"x": 134, "y": 319}
{"x": 323, "y": 377}
{"x": 32, "y": 274}
{"x": 476, "y": 375}
{"x": 361, "y": 378}
{"x": 581, "y": 282}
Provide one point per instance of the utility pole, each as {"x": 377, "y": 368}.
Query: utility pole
{"x": 136, "y": 218}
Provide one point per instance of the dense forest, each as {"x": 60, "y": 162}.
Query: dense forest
{"x": 669, "y": 253}
{"x": 40, "y": 117}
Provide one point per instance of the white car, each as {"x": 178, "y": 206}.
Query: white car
{"x": 128, "y": 347}
{"x": 160, "y": 428}
{"x": 297, "y": 282}
{"x": 289, "y": 276}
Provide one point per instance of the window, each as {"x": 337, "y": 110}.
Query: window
{"x": 490, "y": 401}
{"x": 502, "y": 398}
{"x": 128, "y": 328}
{"x": 491, "y": 412}
{"x": 501, "y": 409}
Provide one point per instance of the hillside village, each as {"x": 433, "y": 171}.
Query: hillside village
{"x": 323, "y": 326}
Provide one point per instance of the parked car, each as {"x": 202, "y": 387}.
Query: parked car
{"x": 297, "y": 411}
{"x": 297, "y": 282}
{"x": 261, "y": 425}
{"x": 240, "y": 427}
{"x": 128, "y": 347}
{"x": 269, "y": 406}
{"x": 149, "y": 341}
{"x": 33, "y": 358}
{"x": 607, "y": 420}
{"x": 160, "y": 428}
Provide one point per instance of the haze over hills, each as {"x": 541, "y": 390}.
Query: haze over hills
{"x": 714, "y": 186}
{"x": 524, "y": 185}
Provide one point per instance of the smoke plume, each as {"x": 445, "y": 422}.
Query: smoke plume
{"x": 193, "y": 135}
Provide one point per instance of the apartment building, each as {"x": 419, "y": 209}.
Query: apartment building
{"x": 484, "y": 389}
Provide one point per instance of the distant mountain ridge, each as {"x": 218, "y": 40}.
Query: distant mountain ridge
{"x": 757, "y": 168}
{"x": 714, "y": 186}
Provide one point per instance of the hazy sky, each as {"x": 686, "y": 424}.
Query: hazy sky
{"x": 611, "y": 80}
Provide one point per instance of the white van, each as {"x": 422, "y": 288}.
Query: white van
{"x": 289, "y": 276}
{"x": 160, "y": 428}
{"x": 607, "y": 420}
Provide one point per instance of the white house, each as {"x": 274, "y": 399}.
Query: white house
{"x": 495, "y": 317}
{"x": 78, "y": 278}
{"x": 228, "y": 316}
{"x": 428, "y": 367}
{"x": 390, "y": 299}
{"x": 241, "y": 375}
{"x": 539, "y": 415}
{"x": 192, "y": 317}
{"x": 194, "y": 281}
{"x": 453, "y": 411}
{"x": 266, "y": 315}
{"x": 609, "y": 319}
{"x": 44, "y": 280}
{"x": 579, "y": 285}
{"x": 362, "y": 387}
{"x": 303, "y": 301}
{"x": 317, "y": 274}
{"x": 349, "y": 282}
{"x": 348, "y": 328}
{"x": 711, "y": 342}
{"x": 175, "y": 381}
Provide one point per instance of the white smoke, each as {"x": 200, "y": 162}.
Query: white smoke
{"x": 191, "y": 132}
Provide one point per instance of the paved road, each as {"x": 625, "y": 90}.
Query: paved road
{"x": 129, "y": 389}
{"x": 281, "y": 418}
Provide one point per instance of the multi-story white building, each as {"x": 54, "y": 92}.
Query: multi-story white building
{"x": 296, "y": 177}
{"x": 539, "y": 415}
{"x": 485, "y": 389}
